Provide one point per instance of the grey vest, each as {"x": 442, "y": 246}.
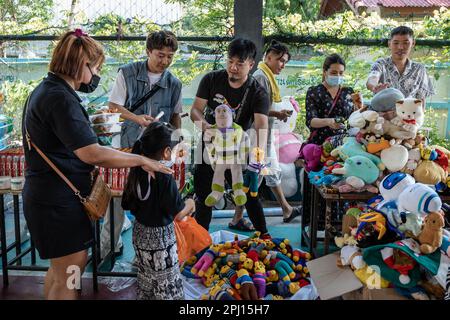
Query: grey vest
{"x": 137, "y": 84}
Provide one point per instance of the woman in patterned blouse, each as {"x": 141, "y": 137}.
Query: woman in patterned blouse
{"x": 319, "y": 100}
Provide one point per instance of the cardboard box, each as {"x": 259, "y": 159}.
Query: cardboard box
{"x": 330, "y": 280}
{"x": 334, "y": 282}
{"x": 374, "y": 294}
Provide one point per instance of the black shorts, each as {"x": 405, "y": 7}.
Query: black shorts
{"x": 57, "y": 230}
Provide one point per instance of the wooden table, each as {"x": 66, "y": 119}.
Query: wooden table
{"x": 316, "y": 196}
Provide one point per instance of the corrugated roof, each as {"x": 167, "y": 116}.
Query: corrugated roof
{"x": 400, "y": 3}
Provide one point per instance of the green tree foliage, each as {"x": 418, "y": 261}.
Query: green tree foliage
{"x": 215, "y": 17}
{"x": 16, "y": 94}
{"x": 207, "y": 17}
{"x": 309, "y": 9}
{"x": 22, "y": 11}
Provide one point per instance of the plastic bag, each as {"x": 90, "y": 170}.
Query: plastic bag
{"x": 191, "y": 238}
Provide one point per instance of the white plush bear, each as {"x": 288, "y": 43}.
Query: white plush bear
{"x": 409, "y": 114}
{"x": 409, "y": 119}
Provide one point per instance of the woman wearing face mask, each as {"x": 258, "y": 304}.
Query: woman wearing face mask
{"x": 329, "y": 103}
{"x": 58, "y": 125}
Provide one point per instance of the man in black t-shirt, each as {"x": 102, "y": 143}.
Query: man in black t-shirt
{"x": 250, "y": 101}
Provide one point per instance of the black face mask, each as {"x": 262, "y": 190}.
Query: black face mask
{"x": 92, "y": 85}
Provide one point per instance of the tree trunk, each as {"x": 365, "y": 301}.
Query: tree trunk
{"x": 71, "y": 14}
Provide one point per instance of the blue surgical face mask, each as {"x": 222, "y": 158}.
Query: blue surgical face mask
{"x": 334, "y": 81}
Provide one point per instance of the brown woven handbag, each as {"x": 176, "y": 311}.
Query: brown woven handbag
{"x": 98, "y": 200}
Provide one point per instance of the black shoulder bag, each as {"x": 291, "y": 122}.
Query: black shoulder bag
{"x": 142, "y": 100}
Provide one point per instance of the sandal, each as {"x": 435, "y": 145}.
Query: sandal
{"x": 297, "y": 211}
{"x": 242, "y": 225}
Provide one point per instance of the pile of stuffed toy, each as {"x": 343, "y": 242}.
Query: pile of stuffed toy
{"x": 398, "y": 239}
{"x": 270, "y": 268}
{"x": 381, "y": 140}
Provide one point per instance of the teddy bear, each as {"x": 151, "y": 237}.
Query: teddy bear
{"x": 415, "y": 143}
{"x": 225, "y": 143}
{"x": 430, "y": 238}
{"x": 409, "y": 119}
{"x": 279, "y": 255}
{"x": 365, "y": 120}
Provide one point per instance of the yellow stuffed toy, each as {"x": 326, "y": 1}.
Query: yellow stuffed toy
{"x": 370, "y": 278}
{"x": 429, "y": 172}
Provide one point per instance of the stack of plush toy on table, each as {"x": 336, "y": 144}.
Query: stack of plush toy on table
{"x": 398, "y": 239}
{"x": 270, "y": 267}
{"x": 380, "y": 141}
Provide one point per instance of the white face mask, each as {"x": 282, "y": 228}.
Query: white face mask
{"x": 167, "y": 163}
{"x": 334, "y": 81}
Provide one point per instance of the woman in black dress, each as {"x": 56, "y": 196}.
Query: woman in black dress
{"x": 319, "y": 100}
{"x": 58, "y": 124}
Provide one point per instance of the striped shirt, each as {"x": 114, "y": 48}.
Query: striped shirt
{"x": 414, "y": 82}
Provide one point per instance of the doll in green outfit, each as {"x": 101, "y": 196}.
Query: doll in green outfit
{"x": 226, "y": 151}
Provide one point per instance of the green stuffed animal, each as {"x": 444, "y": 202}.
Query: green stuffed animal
{"x": 358, "y": 171}
{"x": 351, "y": 148}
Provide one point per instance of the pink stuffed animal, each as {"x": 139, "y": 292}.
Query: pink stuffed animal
{"x": 205, "y": 261}
{"x": 346, "y": 188}
{"x": 288, "y": 145}
{"x": 311, "y": 153}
